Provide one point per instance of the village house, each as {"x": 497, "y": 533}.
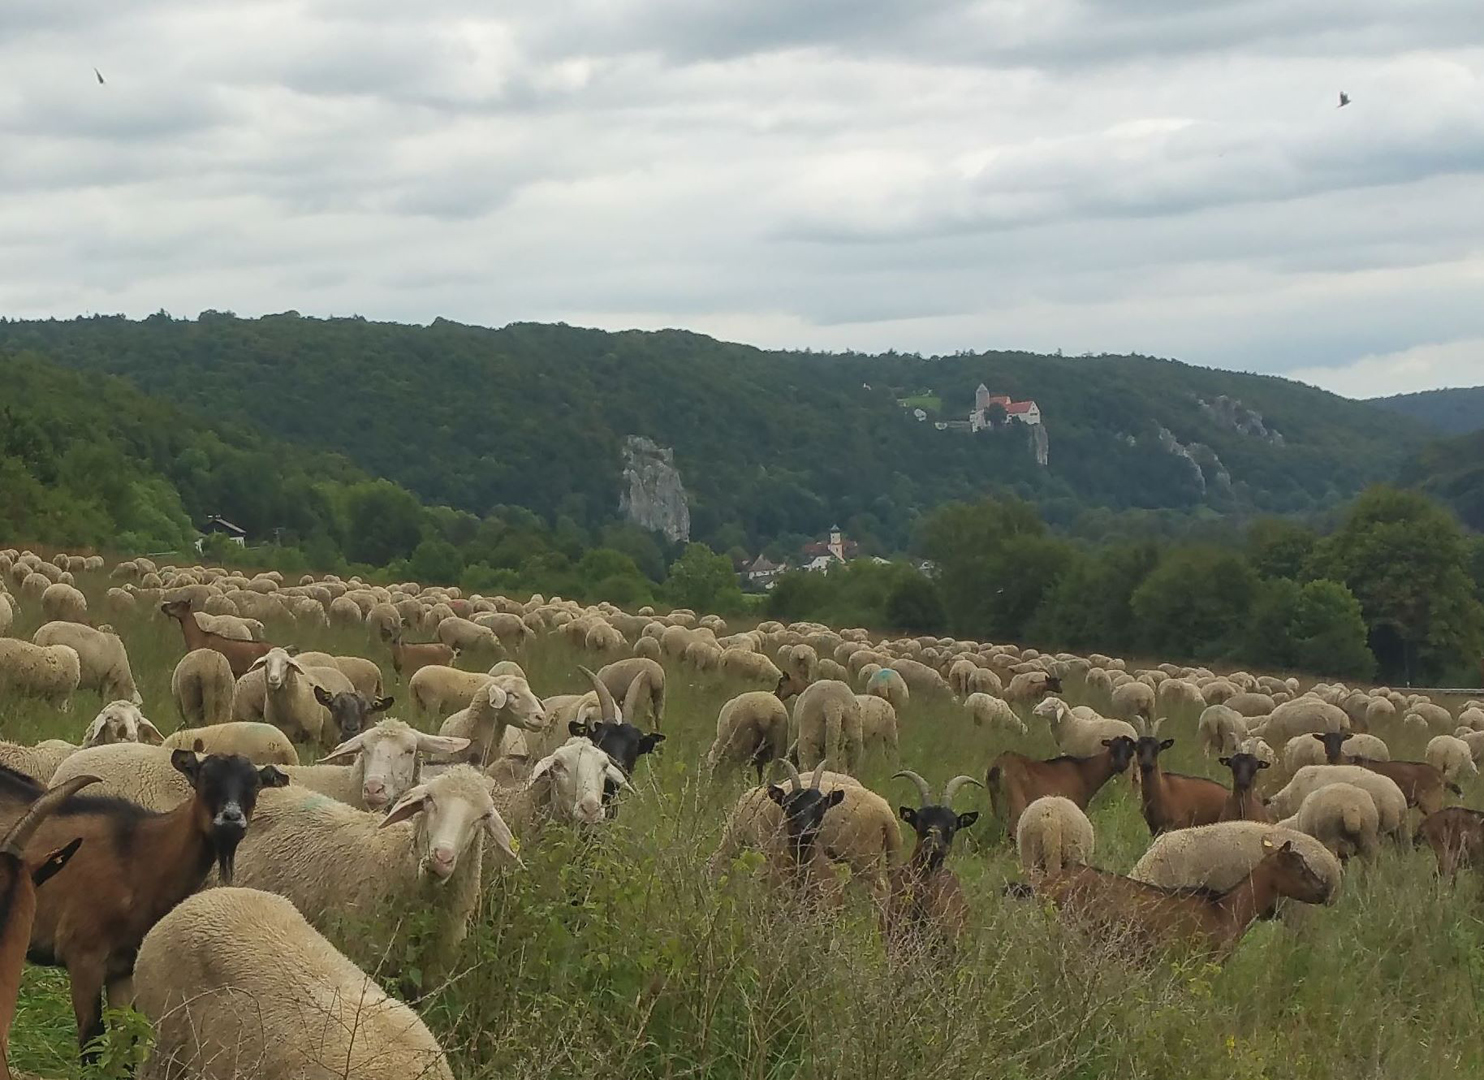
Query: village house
{"x": 1026, "y": 412}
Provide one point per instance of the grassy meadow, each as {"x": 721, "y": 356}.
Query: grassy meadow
{"x": 620, "y": 956}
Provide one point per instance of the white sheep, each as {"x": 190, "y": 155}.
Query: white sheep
{"x": 1053, "y": 833}
{"x": 138, "y": 772}
{"x": 63, "y": 603}
{"x": 1342, "y": 817}
{"x": 1133, "y": 699}
{"x": 1474, "y": 740}
{"x": 50, "y": 672}
{"x": 1220, "y": 729}
{"x": 986, "y": 710}
{"x": 566, "y": 785}
{"x": 386, "y": 762}
{"x": 751, "y": 727}
{"x": 442, "y": 690}
{"x": 1391, "y": 804}
{"x": 878, "y": 724}
{"x": 1299, "y": 717}
{"x": 468, "y": 637}
{"x": 237, "y": 983}
{"x": 1426, "y": 716}
{"x": 290, "y": 703}
{"x": 888, "y": 684}
{"x": 101, "y": 654}
{"x": 334, "y": 861}
{"x": 203, "y": 688}
{"x": 827, "y": 724}
{"x": 642, "y": 679}
{"x": 121, "y": 722}
{"x": 262, "y": 744}
{"x": 1081, "y": 733}
{"x": 39, "y": 762}
{"x": 501, "y": 701}
{"x": 7, "y": 613}
{"x": 1451, "y": 756}
{"x": 1218, "y": 857}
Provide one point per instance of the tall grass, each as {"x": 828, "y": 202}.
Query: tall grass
{"x": 621, "y": 956}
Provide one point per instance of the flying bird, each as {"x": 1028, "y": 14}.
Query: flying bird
{"x": 1344, "y": 100}
{"x": 101, "y": 83}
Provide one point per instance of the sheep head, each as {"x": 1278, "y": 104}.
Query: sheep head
{"x": 278, "y": 667}
{"x": 451, "y": 810}
{"x": 390, "y": 754}
{"x": 119, "y": 722}
{"x": 573, "y": 778}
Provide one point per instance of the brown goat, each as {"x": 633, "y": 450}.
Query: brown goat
{"x": 1151, "y": 916}
{"x": 1456, "y": 836}
{"x": 1172, "y": 800}
{"x": 20, "y": 877}
{"x": 1244, "y": 804}
{"x": 925, "y": 900}
{"x": 410, "y": 657}
{"x": 134, "y": 866}
{"x": 1015, "y": 781}
{"x": 241, "y": 655}
{"x": 1423, "y": 785}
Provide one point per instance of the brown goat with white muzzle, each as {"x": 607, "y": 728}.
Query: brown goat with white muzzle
{"x": 134, "y": 866}
{"x": 925, "y": 897}
{"x": 20, "y": 877}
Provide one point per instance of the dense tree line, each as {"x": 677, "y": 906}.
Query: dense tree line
{"x": 773, "y": 446}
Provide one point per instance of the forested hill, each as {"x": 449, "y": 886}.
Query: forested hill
{"x": 769, "y": 444}
{"x": 1452, "y": 470}
{"x": 1454, "y": 411}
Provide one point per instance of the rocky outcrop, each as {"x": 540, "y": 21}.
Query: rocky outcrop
{"x": 1205, "y": 466}
{"x": 1041, "y": 444}
{"x": 1231, "y": 413}
{"x": 653, "y": 496}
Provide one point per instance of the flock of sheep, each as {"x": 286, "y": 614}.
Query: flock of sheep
{"x": 223, "y": 836}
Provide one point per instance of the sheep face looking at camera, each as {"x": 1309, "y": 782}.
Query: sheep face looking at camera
{"x": 575, "y": 775}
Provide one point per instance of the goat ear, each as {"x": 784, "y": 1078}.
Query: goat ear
{"x": 323, "y": 696}
{"x": 834, "y": 798}
{"x": 775, "y": 793}
{"x": 382, "y": 704}
{"x": 48, "y": 867}
{"x": 1317, "y": 737}
{"x": 650, "y": 741}
{"x": 1107, "y": 742}
{"x": 1225, "y": 762}
{"x": 1263, "y": 765}
{"x": 408, "y": 806}
{"x": 272, "y": 776}
{"x": 907, "y": 814}
{"x": 1166, "y": 744}
{"x": 187, "y": 763}
{"x": 578, "y": 729}
{"x": 967, "y": 819}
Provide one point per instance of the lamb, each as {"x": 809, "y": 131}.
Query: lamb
{"x": 242, "y": 655}
{"x": 20, "y": 877}
{"x": 1015, "y": 781}
{"x": 101, "y": 654}
{"x": 1147, "y": 915}
{"x": 1456, "y": 836}
{"x": 1080, "y": 732}
{"x": 50, "y": 672}
{"x": 620, "y": 677}
{"x": 1218, "y": 857}
{"x": 1053, "y": 833}
{"x": 203, "y": 687}
{"x": 292, "y": 704}
{"x": 924, "y": 897}
{"x": 443, "y": 691}
{"x": 751, "y": 727}
{"x": 262, "y": 744}
{"x": 827, "y": 720}
{"x": 1388, "y": 797}
{"x": 501, "y": 701}
{"x": 220, "y": 1013}
{"x": 1451, "y": 756}
{"x": 987, "y": 710}
{"x": 1244, "y": 804}
{"x": 132, "y": 868}
{"x": 63, "y": 603}
{"x": 1342, "y": 817}
{"x": 1220, "y": 728}
{"x": 1133, "y": 699}
{"x": 333, "y": 860}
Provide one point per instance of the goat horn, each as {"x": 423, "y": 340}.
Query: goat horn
{"x": 21, "y": 832}
{"x": 1154, "y": 728}
{"x": 793, "y": 773}
{"x": 923, "y": 791}
{"x": 606, "y": 704}
{"x": 950, "y": 789}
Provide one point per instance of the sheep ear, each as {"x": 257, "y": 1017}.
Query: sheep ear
{"x": 272, "y": 776}
{"x": 323, "y": 696}
{"x": 48, "y": 867}
{"x": 259, "y": 663}
{"x": 497, "y": 702}
{"x": 95, "y": 729}
{"x": 441, "y": 744}
{"x": 1317, "y": 737}
{"x": 410, "y": 805}
{"x": 348, "y": 749}
{"x": 1166, "y": 744}
{"x": 148, "y": 733}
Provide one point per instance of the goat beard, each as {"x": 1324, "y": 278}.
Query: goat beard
{"x": 226, "y": 857}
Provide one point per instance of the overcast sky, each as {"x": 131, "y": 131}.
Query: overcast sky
{"x": 1162, "y": 176}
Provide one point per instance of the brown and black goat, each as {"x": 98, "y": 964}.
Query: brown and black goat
{"x": 1149, "y": 916}
{"x": 134, "y": 866}
{"x": 1015, "y": 781}
{"x": 796, "y": 857}
{"x": 351, "y": 710}
{"x": 925, "y": 901}
{"x": 612, "y": 733}
{"x": 1172, "y": 800}
{"x": 1456, "y": 836}
{"x": 20, "y": 876}
{"x": 1244, "y": 803}
{"x": 241, "y": 655}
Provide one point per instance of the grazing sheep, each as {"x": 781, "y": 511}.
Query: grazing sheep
{"x": 1426, "y": 717}
{"x": 1300, "y": 717}
{"x": 103, "y": 659}
{"x": 7, "y": 614}
{"x": 1451, "y": 756}
{"x": 334, "y": 861}
{"x": 1474, "y": 740}
{"x": 1456, "y": 836}
{"x": 1030, "y": 687}
{"x": 751, "y": 727}
{"x": 888, "y": 684}
{"x": 878, "y": 724}
{"x": 989, "y": 711}
{"x": 1080, "y": 732}
{"x": 827, "y": 724}
{"x": 1219, "y": 856}
{"x": 1052, "y": 834}
{"x": 383, "y": 623}
{"x": 920, "y": 677}
{"x": 220, "y": 1012}
{"x": 1133, "y": 699}
{"x": 203, "y": 688}
{"x": 291, "y": 703}
{"x": 1220, "y": 729}
{"x": 39, "y": 762}
{"x": 1342, "y": 817}
{"x": 234, "y": 627}
{"x": 1391, "y": 804}
{"x": 443, "y": 691}
{"x": 1175, "y": 695}
{"x": 50, "y": 672}
{"x": 621, "y": 676}
{"x": 262, "y": 744}
{"x": 501, "y": 701}
{"x": 1251, "y": 703}
{"x": 468, "y": 637}
{"x": 63, "y": 603}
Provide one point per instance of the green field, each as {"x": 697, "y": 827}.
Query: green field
{"x": 620, "y": 956}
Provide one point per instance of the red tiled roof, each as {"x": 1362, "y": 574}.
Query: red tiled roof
{"x": 1015, "y": 408}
